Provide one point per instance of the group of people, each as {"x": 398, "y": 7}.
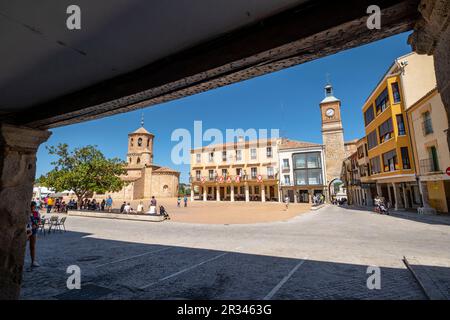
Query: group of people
{"x": 88, "y": 204}
{"x": 185, "y": 200}
{"x": 51, "y": 204}
{"x": 127, "y": 208}
{"x": 318, "y": 199}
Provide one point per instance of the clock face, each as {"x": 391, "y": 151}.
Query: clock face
{"x": 330, "y": 113}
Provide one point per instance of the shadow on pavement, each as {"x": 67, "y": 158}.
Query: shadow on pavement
{"x": 435, "y": 219}
{"x": 113, "y": 269}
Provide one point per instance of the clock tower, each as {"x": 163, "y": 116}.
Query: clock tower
{"x": 332, "y": 134}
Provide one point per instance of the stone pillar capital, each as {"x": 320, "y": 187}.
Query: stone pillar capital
{"x": 428, "y": 30}
{"x": 22, "y": 138}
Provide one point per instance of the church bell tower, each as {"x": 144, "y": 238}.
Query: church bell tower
{"x": 140, "y": 147}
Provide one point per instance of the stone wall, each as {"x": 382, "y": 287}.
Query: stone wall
{"x": 160, "y": 180}
{"x": 334, "y": 153}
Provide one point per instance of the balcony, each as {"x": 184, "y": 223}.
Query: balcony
{"x": 286, "y": 169}
{"x": 427, "y": 127}
{"x": 428, "y": 166}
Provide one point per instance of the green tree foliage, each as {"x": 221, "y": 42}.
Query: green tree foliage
{"x": 84, "y": 170}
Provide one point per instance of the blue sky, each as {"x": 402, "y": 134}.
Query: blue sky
{"x": 287, "y": 100}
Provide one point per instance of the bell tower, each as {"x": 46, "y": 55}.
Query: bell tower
{"x": 140, "y": 147}
{"x": 332, "y": 134}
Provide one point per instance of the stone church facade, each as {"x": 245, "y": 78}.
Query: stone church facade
{"x": 145, "y": 179}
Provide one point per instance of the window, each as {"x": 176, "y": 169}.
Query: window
{"x": 427, "y": 126}
{"x": 300, "y": 161}
{"x": 148, "y": 142}
{"x": 131, "y": 142}
{"x": 300, "y": 177}
{"x": 140, "y": 142}
{"x": 363, "y": 170}
{"x": 211, "y": 156}
{"x": 405, "y": 158}
{"x": 382, "y": 101}
{"x": 198, "y": 157}
{"x": 224, "y": 156}
{"x": 287, "y": 180}
{"x": 395, "y": 92}
{"x": 239, "y": 172}
{"x": 390, "y": 161}
{"x": 308, "y": 168}
{"x": 270, "y": 172}
{"x": 269, "y": 152}
{"x": 375, "y": 165}
{"x": 386, "y": 130}
{"x": 315, "y": 177}
{"x": 211, "y": 175}
{"x": 400, "y": 125}
{"x": 286, "y": 164}
{"x": 434, "y": 159}
{"x": 253, "y": 154}
{"x": 254, "y": 172}
{"x": 372, "y": 140}
{"x": 238, "y": 155}
{"x": 138, "y": 160}
{"x": 369, "y": 115}
{"x": 198, "y": 174}
{"x": 313, "y": 160}
{"x": 224, "y": 173}
{"x": 360, "y": 152}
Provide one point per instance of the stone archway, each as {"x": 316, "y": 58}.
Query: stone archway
{"x": 333, "y": 190}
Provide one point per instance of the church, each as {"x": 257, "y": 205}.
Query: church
{"x": 145, "y": 179}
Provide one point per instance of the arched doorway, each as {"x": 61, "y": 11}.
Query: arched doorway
{"x": 336, "y": 190}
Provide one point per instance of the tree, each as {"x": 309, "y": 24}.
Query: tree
{"x": 84, "y": 170}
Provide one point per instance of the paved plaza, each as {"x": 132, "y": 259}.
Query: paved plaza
{"x": 321, "y": 254}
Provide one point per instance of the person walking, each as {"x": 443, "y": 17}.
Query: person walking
{"x": 178, "y": 201}
{"x": 185, "y": 200}
{"x": 50, "y": 203}
{"x": 32, "y": 229}
{"x": 286, "y": 202}
{"x": 109, "y": 203}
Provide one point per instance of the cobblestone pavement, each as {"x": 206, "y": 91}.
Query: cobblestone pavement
{"x": 318, "y": 255}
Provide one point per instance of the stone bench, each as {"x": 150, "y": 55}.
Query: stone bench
{"x": 120, "y": 216}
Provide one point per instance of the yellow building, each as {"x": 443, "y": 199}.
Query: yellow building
{"x": 239, "y": 171}
{"x": 429, "y": 126}
{"x": 389, "y": 146}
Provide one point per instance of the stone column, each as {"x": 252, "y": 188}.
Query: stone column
{"x": 379, "y": 193}
{"x": 398, "y": 197}
{"x": 247, "y": 194}
{"x": 192, "y": 193}
{"x": 432, "y": 36}
{"x": 205, "y": 195}
{"x": 218, "y": 194}
{"x": 369, "y": 200}
{"x": 263, "y": 193}
{"x": 18, "y": 146}
{"x": 426, "y": 209}
{"x": 232, "y": 194}
{"x": 405, "y": 198}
